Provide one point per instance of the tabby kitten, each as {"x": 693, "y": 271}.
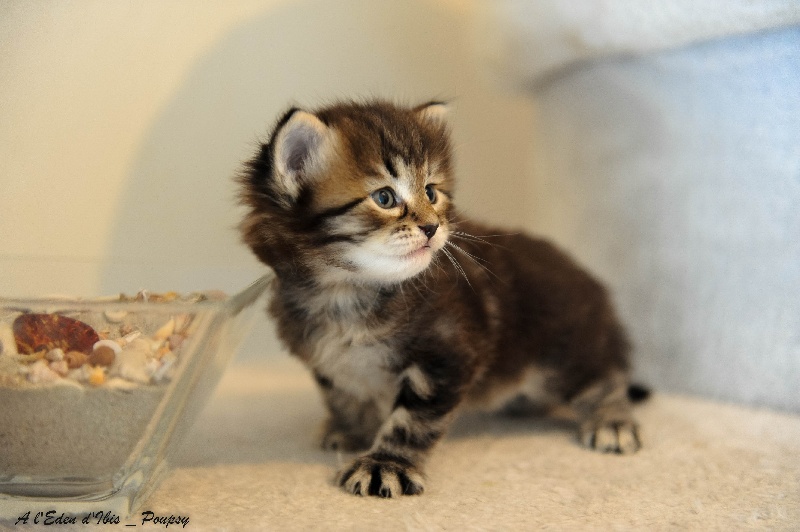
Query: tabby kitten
{"x": 403, "y": 311}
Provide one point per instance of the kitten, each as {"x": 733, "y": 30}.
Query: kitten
{"x": 403, "y": 311}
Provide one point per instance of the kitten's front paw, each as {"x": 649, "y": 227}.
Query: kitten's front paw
{"x": 382, "y": 476}
{"x": 621, "y": 437}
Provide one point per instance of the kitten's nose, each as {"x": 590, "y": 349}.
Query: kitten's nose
{"x": 429, "y": 230}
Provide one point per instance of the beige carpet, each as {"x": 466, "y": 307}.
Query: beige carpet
{"x": 250, "y": 463}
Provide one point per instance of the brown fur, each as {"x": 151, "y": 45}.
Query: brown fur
{"x": 488, "y": 318}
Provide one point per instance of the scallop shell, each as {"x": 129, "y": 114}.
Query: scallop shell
{"x": 37, "y": 332}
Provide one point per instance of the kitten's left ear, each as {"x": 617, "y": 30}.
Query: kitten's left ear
{"x": 434, "y": 112}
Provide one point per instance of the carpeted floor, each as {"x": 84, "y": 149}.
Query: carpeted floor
{"x": 251, "y": 463}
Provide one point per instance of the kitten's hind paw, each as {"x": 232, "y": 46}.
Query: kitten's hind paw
{"x": 621, "y": 437}
{"x": 382, "y": 476}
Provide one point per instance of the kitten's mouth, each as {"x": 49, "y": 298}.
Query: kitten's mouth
{"x": 418, "y": 253}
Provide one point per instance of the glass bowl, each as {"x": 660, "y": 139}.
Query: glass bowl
{"x": 94, "y": 394}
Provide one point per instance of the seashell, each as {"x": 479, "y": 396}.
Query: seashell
{"x": 115, "y": 316}
{"x": 103, "y": 355}
{"x": 165, "y": 371}
{"x": 195, "y": 297}
{"x": 54, "y": 355}
{"x": 129, "y": 337}
{"x": 166, "y": 297}
{"x": 111, "y": 344}
{"x": 140, "y": 344}
{"x": 80, "y": 374}
{"x": 151, "y": 367}
{"x": 60, "y": 366}
{"x": 75, "y": 359}
{"x": 166, "y": 330}
{"x": 130, "y": 364}
{"x": 97, "y": 376}
{"x": 155, "y": 345}
{"x": 36, "y": 332}
{"x": 39, "y": 373}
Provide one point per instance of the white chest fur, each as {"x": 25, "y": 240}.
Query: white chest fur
{"x": 356, "y": 363}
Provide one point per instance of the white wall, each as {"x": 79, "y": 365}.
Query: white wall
{"x": 122, "y": 124}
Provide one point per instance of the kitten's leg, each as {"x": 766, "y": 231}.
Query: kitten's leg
{"x": 351, "y": 424}
{"x": 604, "y": 415}
{"x": 421, "y": 413}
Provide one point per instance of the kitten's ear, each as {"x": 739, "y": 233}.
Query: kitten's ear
{"x": 300, "y": 148}
{"x": 435, "y": 112}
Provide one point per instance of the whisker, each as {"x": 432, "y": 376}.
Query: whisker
{"x": 438, "y": 262}
{"x": 478, "y": 260}
{"x": 494, "y": 236}
{"x": 420, "y": 280}
{"x": 438, "y": 265}
{"x": 472, "y": 238}
{"x": 465, "y": 252}
{"x": 466, "y": 236}
{"x": 457, "y": 267}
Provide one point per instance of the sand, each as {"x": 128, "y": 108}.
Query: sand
{"x": 68, "y": 431}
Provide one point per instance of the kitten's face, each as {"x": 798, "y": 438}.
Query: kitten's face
{"x": 398, "y": 226}
{"x": 357, "y": 193}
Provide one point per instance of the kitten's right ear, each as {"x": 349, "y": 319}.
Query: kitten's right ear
{"x": 300, "y": 147}
{"x": 433, "y": 112}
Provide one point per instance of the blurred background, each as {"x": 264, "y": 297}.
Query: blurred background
{"x": 658, "y": 144}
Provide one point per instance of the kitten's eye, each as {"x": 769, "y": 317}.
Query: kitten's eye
{"x": 431, "y": 193}
{"x": 385, "y": 198}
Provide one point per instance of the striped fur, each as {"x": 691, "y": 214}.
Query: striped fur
{"x": 402, "y": 310}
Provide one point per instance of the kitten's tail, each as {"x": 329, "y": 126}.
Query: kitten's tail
{"x": 638, "y": 393}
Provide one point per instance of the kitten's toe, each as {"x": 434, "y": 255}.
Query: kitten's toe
{"x": 381, "y": 477}
{"x": 621, "y": 437}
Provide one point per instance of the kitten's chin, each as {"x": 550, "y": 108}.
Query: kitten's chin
{"x": 390, "y": 269}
